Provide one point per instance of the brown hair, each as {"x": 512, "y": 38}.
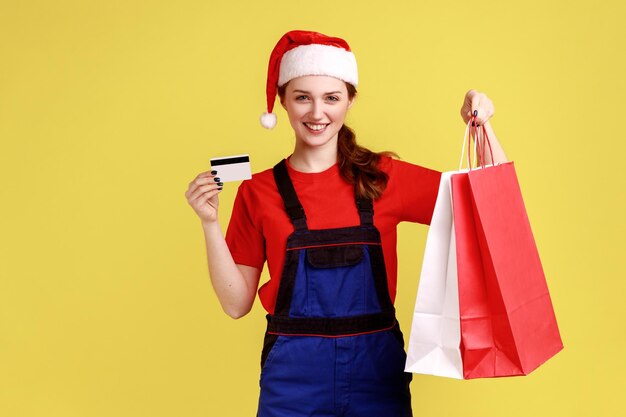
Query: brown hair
{"x": 357, "y": 164}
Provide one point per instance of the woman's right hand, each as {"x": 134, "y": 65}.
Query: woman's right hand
{"x": 202, "y": 196}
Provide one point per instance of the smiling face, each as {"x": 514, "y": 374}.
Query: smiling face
{"x": 317, "y": 107}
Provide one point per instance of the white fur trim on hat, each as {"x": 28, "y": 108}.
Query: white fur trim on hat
{"x": 316, "y": 59}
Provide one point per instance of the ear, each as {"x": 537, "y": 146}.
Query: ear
{"x": 351, "y": 102}
{"x": 282, "y": 102}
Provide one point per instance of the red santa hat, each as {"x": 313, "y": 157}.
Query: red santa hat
{"x": 300, "y": 53}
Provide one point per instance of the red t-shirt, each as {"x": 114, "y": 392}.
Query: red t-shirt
{"x": 259, "y": 225}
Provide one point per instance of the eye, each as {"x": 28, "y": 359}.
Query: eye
{"x": 301, "y": 98}
{"x": 332, "y": 98}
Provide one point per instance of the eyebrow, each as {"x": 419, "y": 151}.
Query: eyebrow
{"x": 308, "y": 92}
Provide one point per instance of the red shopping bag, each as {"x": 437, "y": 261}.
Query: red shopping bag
{"x": 508, "y": 326}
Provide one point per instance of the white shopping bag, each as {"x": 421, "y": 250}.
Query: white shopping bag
{"x": 436, "y": 330}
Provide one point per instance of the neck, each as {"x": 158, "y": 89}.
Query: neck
{"x": 313, "y": 159}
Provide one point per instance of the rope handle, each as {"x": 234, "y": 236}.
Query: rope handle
{"x": 475, "y": 134}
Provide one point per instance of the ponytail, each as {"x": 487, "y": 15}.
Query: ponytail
{"x": 359, "y": 165}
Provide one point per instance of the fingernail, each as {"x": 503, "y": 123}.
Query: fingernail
{"x": 216, "y": 179}
{"x": 219, "y": 188}
{"x": 220, "y": 184}
{"x": 475, "y": 113}
{"x": 473, "y": 124}
{"x": 213, "y": 172}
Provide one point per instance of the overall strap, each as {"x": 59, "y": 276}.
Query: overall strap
{"x": 294, "y": 209}
{"x": 366, "y": 210}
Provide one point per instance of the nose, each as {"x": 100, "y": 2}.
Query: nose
{"x": 317, "y": 110}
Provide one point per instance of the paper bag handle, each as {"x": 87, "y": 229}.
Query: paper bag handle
{"x": 474, "y": 134}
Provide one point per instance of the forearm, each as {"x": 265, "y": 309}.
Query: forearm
{"x": 235, "y": 293}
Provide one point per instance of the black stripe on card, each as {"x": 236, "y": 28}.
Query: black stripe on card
{"x": 228, "y": 161}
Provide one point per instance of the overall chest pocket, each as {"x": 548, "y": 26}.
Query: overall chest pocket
{"x": 334, "y": 281}
{"x": 335, "y": 256}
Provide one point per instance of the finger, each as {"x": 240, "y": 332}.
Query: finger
{"x": 475, "y": 106}
{"x": 205, "y": 197}
{"x": 487, "y": 111}
{"x": 206, "y": 174}
{"x": 203, "y": 189}
{"x": 466, "y": 109}
{"x": 465, "y": 113}
{"x": 203, "y": 180}
{"x": 197, "y": 182}
{"x": 203, "y": 174}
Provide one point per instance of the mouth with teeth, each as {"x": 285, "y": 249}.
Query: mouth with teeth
{"x": 316, "y": 128}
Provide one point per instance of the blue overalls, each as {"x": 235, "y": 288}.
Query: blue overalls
{"x": 333, "y": 346}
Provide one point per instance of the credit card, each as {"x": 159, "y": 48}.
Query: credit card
{"x": 232, "y": 168}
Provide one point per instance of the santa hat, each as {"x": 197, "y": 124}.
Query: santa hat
{"x": 300, "y": 53}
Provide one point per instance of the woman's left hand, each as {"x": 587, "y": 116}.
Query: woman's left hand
{"x": 477, "y": 101}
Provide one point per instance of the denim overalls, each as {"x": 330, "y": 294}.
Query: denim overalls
{"x": 333, "y": 346}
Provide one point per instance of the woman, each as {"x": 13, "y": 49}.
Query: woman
{"x": 325, "y": 221}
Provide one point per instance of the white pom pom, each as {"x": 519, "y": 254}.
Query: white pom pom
{"x": 268, "y": 120}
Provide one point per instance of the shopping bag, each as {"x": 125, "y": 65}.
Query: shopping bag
{"x": 481, "y": 280}
{"x": 435, "y": 331}
{"x": 508, "y": 325}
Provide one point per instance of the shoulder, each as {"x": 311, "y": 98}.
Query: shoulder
{"x": 262, "y": 178}
{"x": 411, "y": 190}
{"x": 259, "y": 178}
{"x": 396, "y": 167}
{"x": 261, "y": 184}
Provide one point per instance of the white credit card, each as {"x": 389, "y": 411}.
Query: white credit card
{"x": 232, "y": 168}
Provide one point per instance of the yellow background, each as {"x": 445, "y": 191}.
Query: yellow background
{"x": 108, "y": 109}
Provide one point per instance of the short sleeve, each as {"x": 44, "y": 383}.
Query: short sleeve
{"x": 421, "y": 186}
{"x": 243, "y": 237}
